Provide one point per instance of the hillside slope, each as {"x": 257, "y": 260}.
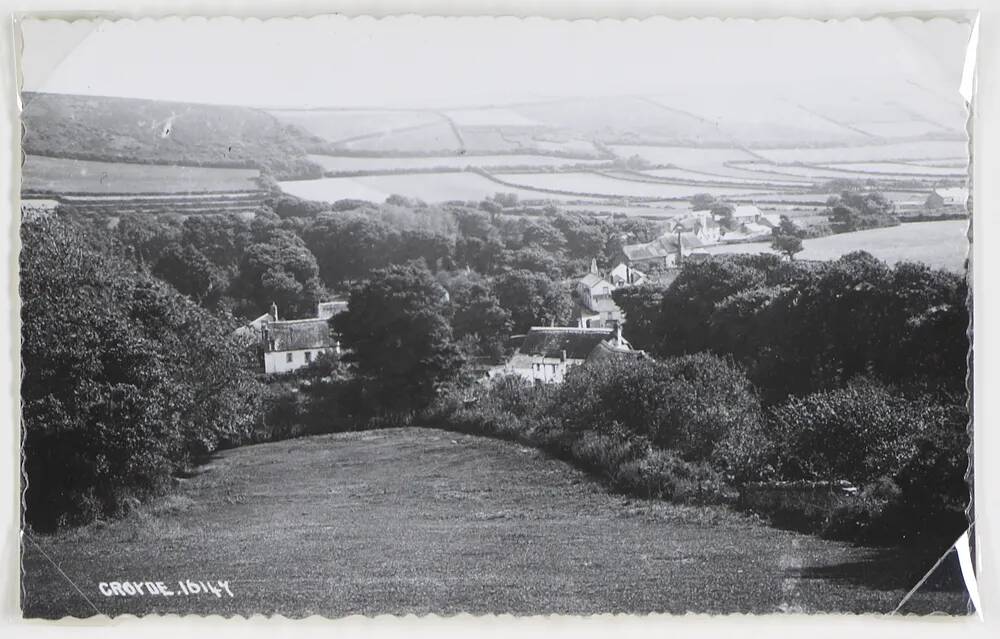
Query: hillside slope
{"x": 153, "y": 132}
{"x": 419, "y": 521}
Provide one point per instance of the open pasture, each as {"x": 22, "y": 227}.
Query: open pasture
{"x": 937, "y": 244}
{"x": 436, "y": 136}
{"x": 901, "y": 169}
{"x": 594, "y": 185}
{"x": 921, "y": 150}
{"x": 60, "y": 175}
{"x": 430, "y": 187}
{"x": 452, "y": 161}
{"x": 763, "y": 179}
{"x": 685, "y": 157}
{"x": 337, "y": 125}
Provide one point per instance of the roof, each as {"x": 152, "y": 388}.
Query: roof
{"x": 772, "y": 219}
{"x": 590, "y": 280}
{"x": 295, "y": 335}
{"x": 328, "y": 309}
{"x": 746, "y": 210}
{"x": 660, "y": 247}
{"x": 623, "y": 271}
{"x": 955, "y": 192}
{"x": 605, "y": 351}
{"x": 552, "y": 342}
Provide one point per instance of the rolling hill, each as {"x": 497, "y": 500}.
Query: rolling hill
{"x": 128, "y": 130}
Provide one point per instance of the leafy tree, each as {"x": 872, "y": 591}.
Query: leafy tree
{"x": 435, "y": 249}
{"x": 787, "y": 238}
{"x": 280, "y": 271}
{"x": 855, "y": 210}
{"x": 191, "y": 273}
{"x": 400, "y": 339}
{"x": 641, "y": 306}
{"x": 125, "y": 381}
{"x": 533, "y": 299}
{"x": 348, "y": 247}
{"x": 145, "y": 237}
{"x": 702, "y": 201}
{"x": 724, "y": 211}
{"x": 479, "y": 316}
{"x": 844, "y": 219}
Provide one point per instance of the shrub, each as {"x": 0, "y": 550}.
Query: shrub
{"x": 687, "y": 404}
{"x": 857, "y": 433}
{"x": 662, "y": 474}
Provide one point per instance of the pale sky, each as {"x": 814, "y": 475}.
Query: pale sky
{"x": 412, "y": 62}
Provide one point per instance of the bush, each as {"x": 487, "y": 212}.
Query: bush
{"x": 857, "y": 433}
{"x": 908, "y": 453}
{"x": 687, "y": 404}
{"x": 662, "y": 474}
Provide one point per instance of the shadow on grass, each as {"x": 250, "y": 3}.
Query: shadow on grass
{"x": 893, "y": 569}
{"x": 201, "y": 465}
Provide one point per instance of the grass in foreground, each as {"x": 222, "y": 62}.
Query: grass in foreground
{"x": 421, "y": 521}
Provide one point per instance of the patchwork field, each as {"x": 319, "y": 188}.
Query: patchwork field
{"x": 334, "y": 125}
{"x": 938, "y": 244}
{"x": 59, "y": 175}
{"x": 430, "y": 187}
{"x": 592, "y": 184}
{"x": 922, "y": 150}
{"x": 455, "y": 161}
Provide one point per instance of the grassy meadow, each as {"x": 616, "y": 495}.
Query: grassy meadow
{"x": 463, "y": 524}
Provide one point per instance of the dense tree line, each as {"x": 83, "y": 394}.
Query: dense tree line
{"x": 126, "y": 381}
{"x": 804, "y": 327}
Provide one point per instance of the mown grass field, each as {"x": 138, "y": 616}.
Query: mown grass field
{"x": 421, "y": 521}
{"x": 62, "y": 175}
{"x": 938, "y": 244}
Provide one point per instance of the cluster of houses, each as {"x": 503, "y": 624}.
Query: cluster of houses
{"x": 546, "y": 353}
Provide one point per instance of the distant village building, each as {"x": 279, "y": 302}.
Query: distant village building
{"x": 666, "y": 251}
{"x": 625, "y": 275}
{"x": 595, "y": 306}
{"x": 33, "y": 207}
{"x": 947, "y": 197}
{"x": 547, "y": 353}
{"x": 702, "y": 225}
{"x": 746, "y": 213}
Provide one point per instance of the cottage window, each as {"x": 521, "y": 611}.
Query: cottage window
{"x": 309, "y": 356}
{"x": 290, "y": 357}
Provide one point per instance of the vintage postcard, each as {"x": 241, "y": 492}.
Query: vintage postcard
{"x": 495, "y": 316}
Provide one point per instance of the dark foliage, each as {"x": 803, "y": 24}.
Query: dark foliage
{"x": 125, "y": 380}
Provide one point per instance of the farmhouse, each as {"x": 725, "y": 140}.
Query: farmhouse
{"x": 547, "y": 353}
{"x": 702, "y": 225}
{"x": 666, "y": 251}
{"x": 595, "y": 306}
{"x": 289, "y": 345}
{"x": 746, "y": 213}
{"x": 948, "y": 197}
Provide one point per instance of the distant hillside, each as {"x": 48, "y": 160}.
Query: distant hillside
{"x": 577, "y": 127}
{"x": 152, "y": 132}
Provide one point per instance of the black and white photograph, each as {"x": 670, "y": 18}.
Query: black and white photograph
{"x": 405, "y": 316}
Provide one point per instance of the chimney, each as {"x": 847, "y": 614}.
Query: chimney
{"x": 274, "y": 312}
{"x": 618, "y": 335}
{"x": 593, "y": 266}
{"x": 563, "y": 358}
